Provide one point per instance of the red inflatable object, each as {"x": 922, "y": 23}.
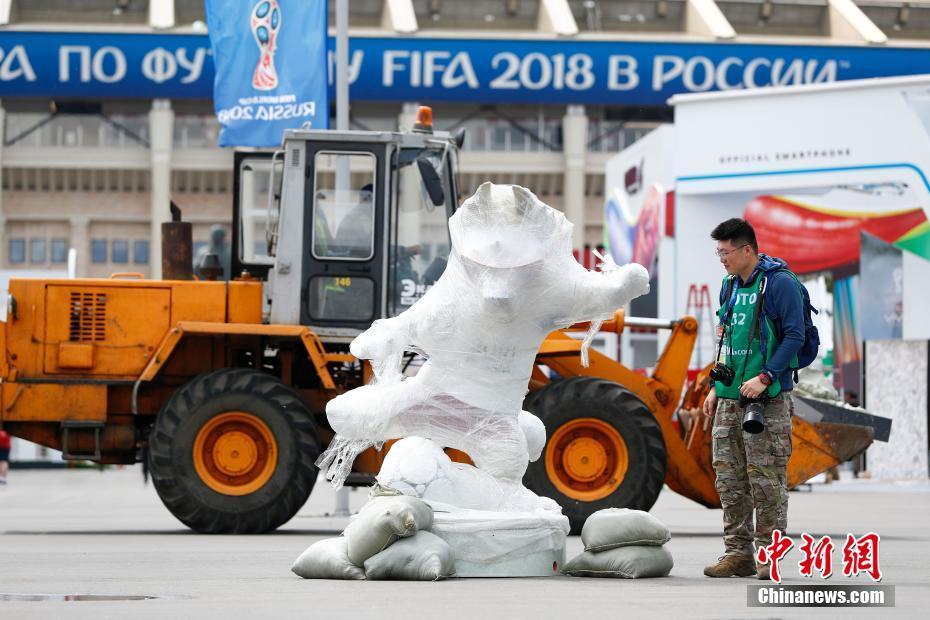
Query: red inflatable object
{"x": 812, "y": 240}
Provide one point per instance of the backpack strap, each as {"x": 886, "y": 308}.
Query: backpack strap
{"x": 756, "y": 320}
{"x": 763, "y": 285}
{"x": 725, "y": 298}
{"x": 807, "y": 307}
{"x": 799, "y": 286}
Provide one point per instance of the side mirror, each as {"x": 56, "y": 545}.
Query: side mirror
{"x": 435, "y": 270}
{"x": 432, "y": 182}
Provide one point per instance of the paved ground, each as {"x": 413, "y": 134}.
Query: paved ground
{"x": 90, "y": 532}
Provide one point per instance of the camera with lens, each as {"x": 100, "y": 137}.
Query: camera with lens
{"x": 721, "y": 373}
{"x": 753, "y": 421}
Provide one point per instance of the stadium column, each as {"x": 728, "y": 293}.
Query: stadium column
{"x": 161, "y": 13}
{"x": 555, "y": 16}
{"x": 161, "y": 130}
{"x": 408, "y": 116}
{"x": 399, "y": 16}
{"x": 408, "y": 178}
{"x": 704, "y": 18}
{"x": 574, "y": 148}
{"x": 80, "y": 241}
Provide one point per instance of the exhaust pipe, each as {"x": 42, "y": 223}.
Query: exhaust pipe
{"x": 177, "y": 247}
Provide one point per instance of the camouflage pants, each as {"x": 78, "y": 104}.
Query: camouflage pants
{"x": 752, "y": 473}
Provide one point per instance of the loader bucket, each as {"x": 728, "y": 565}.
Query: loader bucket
{"x": 818, "y": 447}
{"x": 826, "y": 434}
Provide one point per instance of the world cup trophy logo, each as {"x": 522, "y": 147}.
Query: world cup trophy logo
{"x": 266, "y": 21}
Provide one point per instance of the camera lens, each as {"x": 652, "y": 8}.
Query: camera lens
{"x": 753, "y": 421}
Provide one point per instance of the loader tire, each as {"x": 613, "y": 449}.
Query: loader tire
{"x": 604, "y": 448}
{"x": 233, "y": 452}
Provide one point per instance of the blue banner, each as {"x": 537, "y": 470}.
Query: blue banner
{"x": 104, "y": 65}
{"x": 270, "y": 64}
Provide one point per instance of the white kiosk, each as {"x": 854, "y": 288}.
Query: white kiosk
{"x": 836, "y": 180}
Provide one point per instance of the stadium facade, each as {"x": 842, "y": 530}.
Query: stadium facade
{"x": 106, "y": 108}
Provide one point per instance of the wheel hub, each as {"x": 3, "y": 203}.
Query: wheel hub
{"x": 235, "y": 453}
{"x": 586, "y": 459}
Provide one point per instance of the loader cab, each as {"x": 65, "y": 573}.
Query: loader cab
{"x": 345, "y": 227}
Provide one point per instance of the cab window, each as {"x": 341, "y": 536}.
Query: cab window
{"x": 255, "y": 177}
{"x": 343, "y": 206}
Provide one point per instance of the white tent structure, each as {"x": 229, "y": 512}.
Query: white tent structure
{"x": 816, "y": 166}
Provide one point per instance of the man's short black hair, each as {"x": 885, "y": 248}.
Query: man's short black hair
{"x": 737, "y": 231}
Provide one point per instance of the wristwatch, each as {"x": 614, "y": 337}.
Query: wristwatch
{"x": 765, "y": 378}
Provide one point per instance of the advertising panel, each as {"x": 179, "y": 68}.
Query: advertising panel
{"x": 488, "y": 70}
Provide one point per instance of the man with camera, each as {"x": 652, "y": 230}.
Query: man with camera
{"x": 761, "y": 329}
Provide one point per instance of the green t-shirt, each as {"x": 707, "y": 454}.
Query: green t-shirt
{"x": 742, "y": 346}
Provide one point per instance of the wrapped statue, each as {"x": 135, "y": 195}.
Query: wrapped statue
{"x": 511, "y": 279}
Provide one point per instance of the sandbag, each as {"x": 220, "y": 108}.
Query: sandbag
{"x": 327, "y": 559}
{"x": 624, "y": 562}
{"x": 620, "y": 527}
{"x": 421, "y": 557}
{"x": 382, "y": 521}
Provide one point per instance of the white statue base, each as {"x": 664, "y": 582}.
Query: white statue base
{"x": 495, "y": 544}
{"x": 541, "y": 564}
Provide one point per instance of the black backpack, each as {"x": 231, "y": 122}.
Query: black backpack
{"x": 808, "y": 351}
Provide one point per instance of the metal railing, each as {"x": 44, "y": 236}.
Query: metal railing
{"x": 519, "y": 134}
{"x": 195, "y": 132}
{"x": 74, "y": 131}
{"x": 612, "y": 136}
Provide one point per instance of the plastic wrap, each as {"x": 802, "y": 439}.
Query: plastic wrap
{"x": 418, "y": 467}
{"x": 511, "y": 279}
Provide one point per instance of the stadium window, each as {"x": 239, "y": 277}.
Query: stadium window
{"x": 119, "y": 251}
{"x": 98, "y": 251}
{"x": 38, "y": 251}
{"x": 59, "y": 250}
{"x": 140, "y": 252}
{"x": 17, "y": 251}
